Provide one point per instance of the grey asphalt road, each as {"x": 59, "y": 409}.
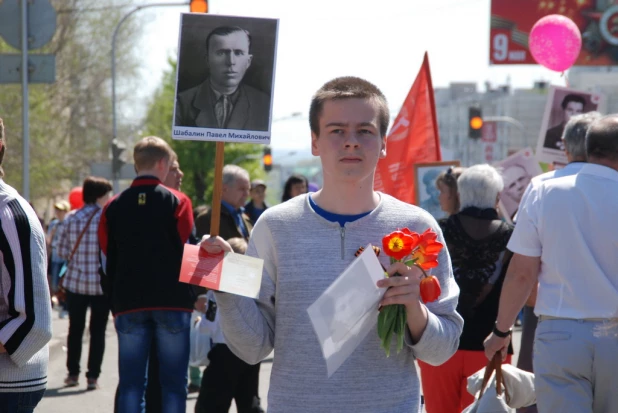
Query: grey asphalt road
{"x": 58, "y": 399}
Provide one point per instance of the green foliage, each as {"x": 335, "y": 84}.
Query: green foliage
{"x": 196, "y": 158}
{"x": 69, "y": 120}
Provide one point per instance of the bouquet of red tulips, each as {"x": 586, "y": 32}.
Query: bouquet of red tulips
{"x": 413, "y": 249}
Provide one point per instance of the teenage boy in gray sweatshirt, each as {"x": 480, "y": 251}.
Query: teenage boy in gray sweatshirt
{"x": 308, "y": 241}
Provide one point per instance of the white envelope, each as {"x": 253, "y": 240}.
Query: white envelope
{"x": 348, "y": 310}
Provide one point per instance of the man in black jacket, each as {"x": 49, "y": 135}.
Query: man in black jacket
{"x": 142, "y": 234}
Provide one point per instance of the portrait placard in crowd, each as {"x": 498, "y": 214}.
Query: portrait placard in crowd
{"x": 562, "y": 104}
{"x": 225, "y": 78}
{"x": 517, "y": 171}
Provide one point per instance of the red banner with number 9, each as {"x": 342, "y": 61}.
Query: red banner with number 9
{"x": 511, "y": 22}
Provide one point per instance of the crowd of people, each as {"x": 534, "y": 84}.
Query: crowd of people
{"x": 123, "y": 255}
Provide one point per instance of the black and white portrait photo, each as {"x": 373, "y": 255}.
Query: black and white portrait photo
{"x": 562, "y": 104}
{"x": 517, "y": 171}
{"x": 225, "y": 78}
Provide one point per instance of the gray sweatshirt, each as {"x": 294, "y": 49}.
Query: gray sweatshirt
{"x": 25, "y": 306}
{"x": 303, "y": 254}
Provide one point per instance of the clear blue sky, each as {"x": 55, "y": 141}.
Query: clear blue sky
{"x": 380, "y": 40}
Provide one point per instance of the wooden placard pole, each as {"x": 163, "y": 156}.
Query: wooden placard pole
{"x": 217, "y": 190}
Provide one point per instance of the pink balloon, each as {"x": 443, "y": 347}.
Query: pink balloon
{"x": 555, "y": 42}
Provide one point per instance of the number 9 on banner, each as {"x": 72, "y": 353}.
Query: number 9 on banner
{"x": 501, "y": 47}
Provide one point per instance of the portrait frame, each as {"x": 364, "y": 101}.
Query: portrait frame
{"x": 203, "y": 79}
{"x": 549, "y": 148}
{"x": 524, "y": 162}
{"x": 420, "y": 183}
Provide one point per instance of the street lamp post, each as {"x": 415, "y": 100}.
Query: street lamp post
{"x": 114, "y": 37}
{"x": 509, "y": 120}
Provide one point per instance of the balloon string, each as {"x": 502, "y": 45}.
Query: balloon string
{"x": 565, "y": 75}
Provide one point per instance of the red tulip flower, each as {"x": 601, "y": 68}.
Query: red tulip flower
{"x": 398, "y": 245}
{"x": 430, "y": 289}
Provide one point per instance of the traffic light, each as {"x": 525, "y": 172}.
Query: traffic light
{"x": 199, "y": 6}
{"x": 267, "y": 158}
{"x": 475, "y": 122}
{"x": 117, "y": 149}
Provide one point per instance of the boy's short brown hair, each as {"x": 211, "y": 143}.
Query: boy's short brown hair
{"x": 150, "y": 150}
{"x": 348, "y": 87}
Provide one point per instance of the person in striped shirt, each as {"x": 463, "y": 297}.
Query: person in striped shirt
{"x": 25, "y": 311}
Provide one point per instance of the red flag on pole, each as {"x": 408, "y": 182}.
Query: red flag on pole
{"x": 413, "y": 138}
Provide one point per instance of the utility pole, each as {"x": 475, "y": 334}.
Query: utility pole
{"x": 25, "y": 102}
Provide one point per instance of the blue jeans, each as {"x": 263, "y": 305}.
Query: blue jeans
{"x": 136, "y": 331}
{"x": 20, "y": 402}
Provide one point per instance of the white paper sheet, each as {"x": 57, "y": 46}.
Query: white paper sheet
{"x": 242, "y": 275}
{"x": 348, "y": 309}
{"x": 232, "y": 273}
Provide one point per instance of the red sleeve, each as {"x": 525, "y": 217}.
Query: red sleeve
{"x": 102, "y": 230}
{"x": 184, "y": 216}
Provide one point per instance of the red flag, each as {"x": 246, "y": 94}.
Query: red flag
{"x": 413, "y": 139}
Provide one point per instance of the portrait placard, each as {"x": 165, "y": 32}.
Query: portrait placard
{"x": 225, "y": 78}
{"x": 562, "y": 104}
{"x": 427, "y": 192}
{"x": 517, "y": 171}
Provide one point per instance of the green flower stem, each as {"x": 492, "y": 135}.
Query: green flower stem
{"x": 421, "y": 268}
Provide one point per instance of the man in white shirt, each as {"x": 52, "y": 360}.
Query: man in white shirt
{"x": 565, "y": 241}
{"x": 574, "y": 144}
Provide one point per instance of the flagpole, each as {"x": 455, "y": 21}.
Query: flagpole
{"x": 432, "y": 100}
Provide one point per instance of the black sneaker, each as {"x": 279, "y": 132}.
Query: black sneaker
{"x": 92, "y": 384}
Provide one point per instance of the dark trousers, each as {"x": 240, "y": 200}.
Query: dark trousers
{"x": 227, "y": 377}
{"x": 20, "y": 402}
{"x": 153, "y": 388}
{"x": 99, "y": 313}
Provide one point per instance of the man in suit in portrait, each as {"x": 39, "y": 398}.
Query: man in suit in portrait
{"x": 571, "y": 105}
{"x": 223, "y": 101}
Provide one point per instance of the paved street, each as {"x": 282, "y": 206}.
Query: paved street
{"x": 68, "y": 400}
{"x": 76, "y": 399}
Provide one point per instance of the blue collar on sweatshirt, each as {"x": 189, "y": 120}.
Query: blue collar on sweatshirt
{"x": 329, "y": 216}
